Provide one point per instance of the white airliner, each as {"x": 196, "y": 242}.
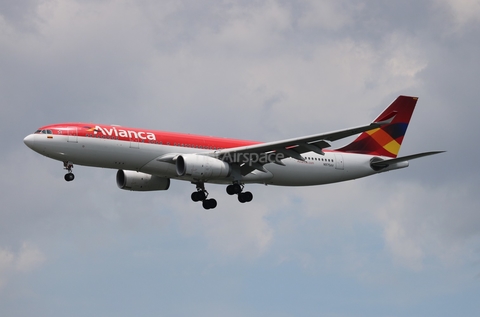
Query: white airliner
{"x": 147, "y": 160}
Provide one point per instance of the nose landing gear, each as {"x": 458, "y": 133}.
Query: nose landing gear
{"x": 67, "y": 165}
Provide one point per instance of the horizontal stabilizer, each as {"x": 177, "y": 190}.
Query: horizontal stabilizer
{"x": 378, "y": 165}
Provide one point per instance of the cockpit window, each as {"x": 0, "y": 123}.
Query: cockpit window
{"x": 44, "y": 131}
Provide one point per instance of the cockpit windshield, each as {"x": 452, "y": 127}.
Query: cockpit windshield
{"x": 44, "y": 131}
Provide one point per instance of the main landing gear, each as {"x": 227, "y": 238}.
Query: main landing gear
{"x": 201, "y": 195}
{"x": 236, "y": 188}
{"x": 68, "y": 166}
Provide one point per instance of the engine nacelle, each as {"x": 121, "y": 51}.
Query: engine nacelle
{"x": 136, "y": 181}
{"x": 201, "y": 166}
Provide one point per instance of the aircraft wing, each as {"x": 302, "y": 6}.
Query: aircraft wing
{"x": 253, "y": 157}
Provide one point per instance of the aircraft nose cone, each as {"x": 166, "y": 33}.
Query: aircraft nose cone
{"x": 29, "y": 140}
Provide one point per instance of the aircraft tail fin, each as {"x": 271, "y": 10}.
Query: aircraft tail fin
{"x": 386, "y": 140}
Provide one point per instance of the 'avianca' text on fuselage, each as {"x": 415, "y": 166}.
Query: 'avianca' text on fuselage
{"x": 119, "y": 132}
{"x": 148, "y": 160}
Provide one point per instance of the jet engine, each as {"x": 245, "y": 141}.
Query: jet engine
{"x": 136, "y": 181}
{"x": 201, "y": 167}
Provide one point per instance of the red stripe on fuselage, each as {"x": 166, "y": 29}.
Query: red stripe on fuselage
{"x": 145, "y": 136}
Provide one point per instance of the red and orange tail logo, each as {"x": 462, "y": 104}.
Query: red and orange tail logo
{"x": 386, "y": 141}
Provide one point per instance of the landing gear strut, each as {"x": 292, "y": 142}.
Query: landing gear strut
{"x": 68, "y": 166}
{"x": 236, "y": 188}
{"x": 201, "y": 195}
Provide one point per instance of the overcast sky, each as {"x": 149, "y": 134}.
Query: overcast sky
{"x": 404, "y": 243}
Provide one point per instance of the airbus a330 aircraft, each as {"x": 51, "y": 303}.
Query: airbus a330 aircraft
{"x": 147, "y": 160}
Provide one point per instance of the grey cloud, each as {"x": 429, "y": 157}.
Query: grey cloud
{"x": 249, "y": 70}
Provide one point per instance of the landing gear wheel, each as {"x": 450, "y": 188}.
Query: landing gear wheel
{"x": 69, "y": 177}
{"x": 230, "y": 190}
{"x": 209, "y": 203}
{"x": 237, "y": 189}
{"x": 198, "y": 196}
{"x": 234, "y": 189}
{"x": 194, "y": 196}
{"x": 245, "y": 197}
